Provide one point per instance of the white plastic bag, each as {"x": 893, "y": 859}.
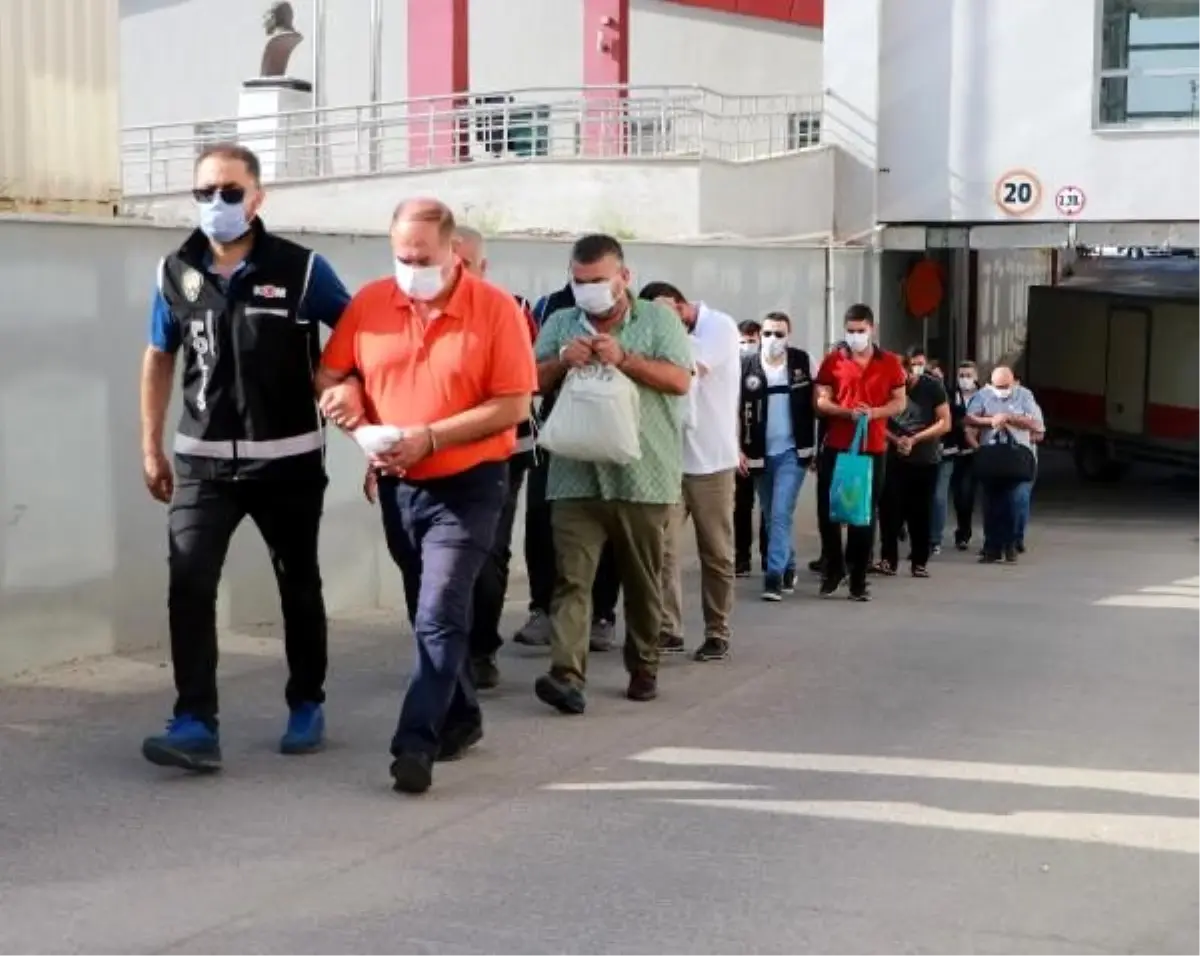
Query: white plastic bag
{"x": 595, "y": 417}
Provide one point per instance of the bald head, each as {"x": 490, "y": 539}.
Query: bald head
{"x": 422, "y": 234}
{"x": 1002, "y": 377}
{"x": 425, "y": 210}
{"x": 469, "y": 246}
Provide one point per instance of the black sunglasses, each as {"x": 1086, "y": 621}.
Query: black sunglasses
{"x": 230, "y": 195}
{"x": 768, "y": 334}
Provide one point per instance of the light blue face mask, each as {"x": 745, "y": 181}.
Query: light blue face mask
{"x": 222, "y": 221}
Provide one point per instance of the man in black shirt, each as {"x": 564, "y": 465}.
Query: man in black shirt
{"x": 914, "y": 452}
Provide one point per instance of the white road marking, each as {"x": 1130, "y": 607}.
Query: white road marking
{"x": 1181, "y": 595}
{"x": 1165, "y": 602}
{"x": 654, "y": 785}
{"x": 1179, "y": 786}
{"x": 1168, "y": 834}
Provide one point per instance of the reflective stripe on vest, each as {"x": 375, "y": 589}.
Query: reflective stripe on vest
{"x": 250, "y": 450}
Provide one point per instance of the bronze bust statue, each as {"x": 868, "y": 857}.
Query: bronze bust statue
{"x": 279, "y": 23}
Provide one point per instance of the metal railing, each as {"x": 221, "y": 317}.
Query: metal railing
{"x": 557, "y": 124}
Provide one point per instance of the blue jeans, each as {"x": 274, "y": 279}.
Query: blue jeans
{"x": 1022, "y": 498}
{"x": 941, "y": 501}
{"x": 1000, "y": 511}
{"x": 440, "y": 532}
{"x": 778, "y": 488}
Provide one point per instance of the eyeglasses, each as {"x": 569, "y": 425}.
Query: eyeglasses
{"x": 769, "y": 334}
{"x": 230, "y": 194}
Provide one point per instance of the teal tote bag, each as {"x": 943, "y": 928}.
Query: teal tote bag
{"x": 850, "y": 490}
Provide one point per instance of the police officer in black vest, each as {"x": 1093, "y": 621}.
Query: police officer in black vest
{"x": 245, "y": 308}
{"x": 778, "y": 429}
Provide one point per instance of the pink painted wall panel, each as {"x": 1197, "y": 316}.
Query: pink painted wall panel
{"x": 438, "y": 78}
{"x": 605, "y": 64}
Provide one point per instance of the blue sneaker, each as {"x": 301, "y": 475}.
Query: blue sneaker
{"x": 305, "y": 732}
{"x": 188, "y": 744}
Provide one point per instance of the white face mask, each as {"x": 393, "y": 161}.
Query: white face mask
{"x": 595, "y": 298}
{"x": 966, "y": 383}
{"x": 773, "y": 348}
{"x": 1001, "y": 392}
{"x": 858, "y": 341}
{"x": 419, "y": 282}
{"x": 749, "y": 348}
{"x": 917, "y": 370}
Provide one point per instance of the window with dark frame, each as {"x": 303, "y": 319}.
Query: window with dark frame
{"x": 1149, "y": 74}
{"x": 803, "y": 130}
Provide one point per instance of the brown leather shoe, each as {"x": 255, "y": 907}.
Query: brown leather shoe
{"x": 642, "y": 687}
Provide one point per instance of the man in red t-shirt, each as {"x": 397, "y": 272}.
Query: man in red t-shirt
{"x": 857, "y": 379}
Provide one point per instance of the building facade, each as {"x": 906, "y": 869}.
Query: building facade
{"x": 183, "y": 61}
{"x": 1018, "y": 111}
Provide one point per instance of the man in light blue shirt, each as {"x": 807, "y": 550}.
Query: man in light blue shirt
{"x": 1005, "y": 406}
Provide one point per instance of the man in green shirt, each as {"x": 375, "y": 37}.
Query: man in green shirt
{"x": 626, "y": 504}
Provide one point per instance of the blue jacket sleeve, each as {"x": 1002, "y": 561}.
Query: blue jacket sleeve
{"x": 326, "y": 297}
{"x": 164, "y": 331}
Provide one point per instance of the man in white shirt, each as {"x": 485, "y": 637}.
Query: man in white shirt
{"x": 710, "y": 461}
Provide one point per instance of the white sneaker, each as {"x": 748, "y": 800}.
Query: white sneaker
{"x": 601, "y": 636}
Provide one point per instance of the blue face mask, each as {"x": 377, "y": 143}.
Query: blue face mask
{"x": 221, "y": 221}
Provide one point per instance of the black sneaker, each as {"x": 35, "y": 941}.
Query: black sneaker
{"x": 484, "y": 672}
{"x": 412, "y": 773}
{"x": 1020, "y": 547}
{"x": 789, "y": 581}
{"x": 989, "y": 557}
{"x": 860, "y": 593}
{"x": 1010, "y": 555}
{"x": 816, "y": 565}
{"x": 670, "y": 644}
{"x": 829, "y": 586}
{"x": 713, "y": 649}
{"x": 962, "y": 544}
{"x": 456, "y": 741}
{"x": 560, "y": 694}
{"x": 772, "y": 588}
{"x": 741, "y": 570}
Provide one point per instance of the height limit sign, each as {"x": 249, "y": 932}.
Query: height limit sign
{"x": 1069, "y": 201}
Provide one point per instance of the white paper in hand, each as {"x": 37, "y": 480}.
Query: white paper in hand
{"x": 377, "y": 439}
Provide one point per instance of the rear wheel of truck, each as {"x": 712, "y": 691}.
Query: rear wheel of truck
{"x": 1094, "y": 462}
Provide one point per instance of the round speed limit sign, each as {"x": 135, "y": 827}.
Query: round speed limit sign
{"x": 1018, "y": 192}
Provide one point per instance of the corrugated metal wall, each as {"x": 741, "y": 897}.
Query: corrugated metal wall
{"x": 59, "y": 109}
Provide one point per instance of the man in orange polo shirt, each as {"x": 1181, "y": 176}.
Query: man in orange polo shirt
{"x": 445, "y": 357}
{"x": 856, "y": 380}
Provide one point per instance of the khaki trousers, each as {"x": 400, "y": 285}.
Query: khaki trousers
{"x": 708, "y": 501}
{"x": 581, "y": 527}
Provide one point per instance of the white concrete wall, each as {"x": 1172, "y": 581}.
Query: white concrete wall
{"x": 645, "y": 199}
{"x": 184, "y": 60}
{"x": 82, "y": 546}
{"x": 947, "y": 95}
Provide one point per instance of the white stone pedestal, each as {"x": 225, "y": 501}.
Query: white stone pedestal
{"x": 276, "y": 121}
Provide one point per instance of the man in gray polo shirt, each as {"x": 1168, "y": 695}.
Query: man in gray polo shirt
{"x": 1002, "y": 406}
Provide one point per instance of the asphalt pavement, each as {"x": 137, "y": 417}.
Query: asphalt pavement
{"x": 998, "y": 759}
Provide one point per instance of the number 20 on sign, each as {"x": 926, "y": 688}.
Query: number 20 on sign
{"x": 1018, "y": 192}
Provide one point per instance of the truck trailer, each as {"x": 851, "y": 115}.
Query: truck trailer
{"x": 1113, "y": 357}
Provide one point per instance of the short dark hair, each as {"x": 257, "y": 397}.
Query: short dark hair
{"x": 594, "y": 247}
{"x": 750, "y": 327}
{"x": 234, "y": 151}
{"x": 967, "y": 363}
{"x": 914, "y": 351}
{"x": 661, "y": 290}
{"x": 860, "y": 312}
{"x": 779, "y": 317}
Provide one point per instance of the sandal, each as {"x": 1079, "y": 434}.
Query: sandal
{"x": 920, "y": 571}
{"x": 884, "y": 568}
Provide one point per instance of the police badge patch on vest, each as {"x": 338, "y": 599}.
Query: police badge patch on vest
{"x": 753, "y": 383}
{"x": 191, "y": 283}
